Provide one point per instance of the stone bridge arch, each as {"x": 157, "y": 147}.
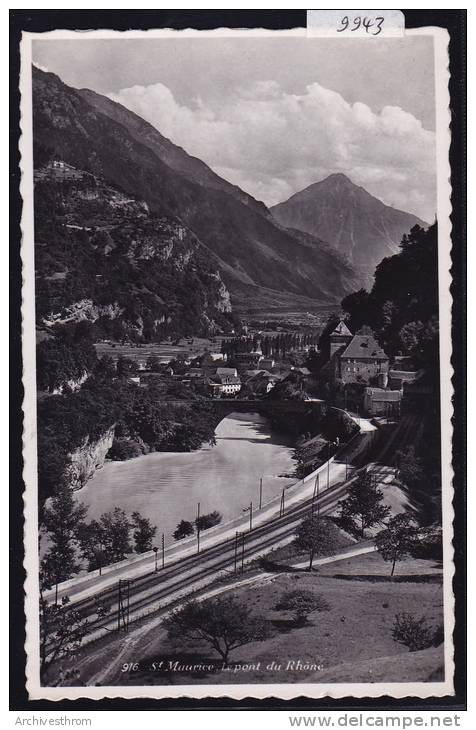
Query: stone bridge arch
{"x": 268, "y": 407}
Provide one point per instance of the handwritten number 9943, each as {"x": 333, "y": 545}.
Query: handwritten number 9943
{"x": 358, "y": 22}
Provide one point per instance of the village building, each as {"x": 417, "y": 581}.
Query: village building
{"x": 398, "y": 378}
{"x": 358, "y": 364}
{"x": 356, "y": 358}
{"x": 267, "y": 363}
{"x": 62, "y": 171}
{"x": 225, "y": 385}
{"x": 226, "y": 372}
{"x": 259, "y": 383}
{"x": 195, "y": 373}
{"x": 363, "y": 360}
{"x": 252, "y": 373}
{"x": 248, "y": 359}
{"x": 382, "y": 402}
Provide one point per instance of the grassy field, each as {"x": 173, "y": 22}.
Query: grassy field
{"x": 190, "y": 346}
{"x": 351, "y": 640}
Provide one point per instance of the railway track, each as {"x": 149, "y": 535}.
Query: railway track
{"x": 154, "y": 590}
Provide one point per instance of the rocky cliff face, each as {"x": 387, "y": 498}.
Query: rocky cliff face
{"x": 118, "y": 266}
{"x": 83, "y": 462}
{"x": 84, "y": 310}
{"x": 72, "y": 384}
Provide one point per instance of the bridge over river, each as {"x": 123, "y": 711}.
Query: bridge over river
{"x": 267, "y": 407}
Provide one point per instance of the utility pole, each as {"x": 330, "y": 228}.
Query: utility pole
{"x": 128, "y": 604}
{"x": 236, "y": 550}
{"x": 328, "y": 462}
{"x": 242, "y": 551}
{"x": 281, "y": 507}
{"x": 198, "y": 528}
{"x": 260, "y": 491}
{"x": 163, "y": 550}
{"x": 156, "y": 550}
{"x": 315, "y": 495}
{"x": 251, "y": 516}
{"x": 346, "y": 467}
{"x": 119, "y": 605}
{"x": 123, "y": 603}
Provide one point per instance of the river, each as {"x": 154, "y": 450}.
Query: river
{"x": 166, "y": 487}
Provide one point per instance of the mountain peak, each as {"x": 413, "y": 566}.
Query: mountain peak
{"x": 337, "y": 177}
{"x": 358, "y": 225}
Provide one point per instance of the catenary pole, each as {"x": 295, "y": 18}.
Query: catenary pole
{"x": 198, "y": 527}
{"x": 236, "y": 550}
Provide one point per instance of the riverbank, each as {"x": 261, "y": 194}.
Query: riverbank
{"x": 167, "y": 486}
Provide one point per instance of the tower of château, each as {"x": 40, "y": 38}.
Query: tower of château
{"x": 340, "y": 337}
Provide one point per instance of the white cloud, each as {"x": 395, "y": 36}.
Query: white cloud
{"x": 272, "y": 143}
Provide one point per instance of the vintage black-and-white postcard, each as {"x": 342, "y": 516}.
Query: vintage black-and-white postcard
{"x": 236, "y": 310}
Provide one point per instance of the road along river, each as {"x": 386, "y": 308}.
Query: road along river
{"x": 166, "y": 487}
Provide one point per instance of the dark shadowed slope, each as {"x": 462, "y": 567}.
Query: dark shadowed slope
{"x": 357, "y": 224}
{"x": 192, "y": 168}
{"x": 251, "y": 250}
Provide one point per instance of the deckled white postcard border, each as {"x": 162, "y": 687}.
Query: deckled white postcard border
{"x": 31, "y": 562}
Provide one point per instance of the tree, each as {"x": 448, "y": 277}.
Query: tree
{"x": 114, "y": 530}
{"x": 414, "y": 633}
{"x": 397, "y": 540}
{"x": 401, "y": 311}
{"x": 107, "y": 540}
{"x": 184, "y": 529}
{"x": 143, "y": 534}
{"x": 105, "y": 368}
{"x": 301, "y": 603}
{"x": 363, "y": 508}
{"x": 63, "y": 520}
{"x": 315, "y": 535}
{"x": 359, "y": 308}
{"x": 204, "y": 522}
{"x": 125, "y": 448}
{"x": 91, "y": 540}
{"x": 153, "y": 363}
{"x": 223, "y": 623}
{"x": 62, "y": 630}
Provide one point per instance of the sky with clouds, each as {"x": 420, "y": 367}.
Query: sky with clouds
{"x": 275, "y": 115}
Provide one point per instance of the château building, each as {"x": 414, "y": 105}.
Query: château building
{"x": 357, "y": 358}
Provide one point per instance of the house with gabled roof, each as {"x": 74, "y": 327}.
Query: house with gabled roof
{"x": 356, "y": 358}
{"x": 363, "y": 360}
